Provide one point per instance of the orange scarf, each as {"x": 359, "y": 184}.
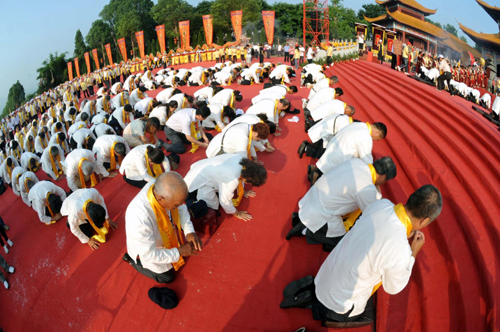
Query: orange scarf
{"x": 54, "y": 168}
{"x": 112, "y": 158}
{"x": 249, "y": 146}
{"x": 171, "y": 239}
{"x": 195, "y": 133}
{"x": 123, "y": 100}
{"x": 154, "y": 171}
{"x": 240, "y": 193}
{"x": 101, "y": 232}
{"x": 93, "y": 178}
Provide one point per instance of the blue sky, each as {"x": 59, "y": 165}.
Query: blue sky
{"x": 32, "y": 29}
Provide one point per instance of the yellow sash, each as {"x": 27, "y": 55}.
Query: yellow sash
{"x": 241, "y": 191}
{"x": 52, "y": 112}
{"x": 169, "y": 237}
{"x": 353, "y": 216}
{"x": 139, "y": 94}
{"x": 249, "y": 146}
{"x": 92, "y": 109}
{"x": 54, "y": 168}
{"x": 184, "y": 103}
{"x": 125, "y": 117}
{"x": 369, "y": 127}
{"x": 400, "y": 211}
{"x": 93, "y": 179}
{"x": 105, "y": 105}
{"x": 112, "y": 158}
{"x": 350, "y": 119}
{"x": 44, "y": 142}
{"x": 101, "y": 232}
{"x": 156, "y": 170}
{"x": 123, "y": 100}
{"x": 275, "y": 107}
{"x": 80, "y": 126}
{"x": 17, "y": 154}
{"x": 195, "y": 133}
{"x": 9, "y": 170}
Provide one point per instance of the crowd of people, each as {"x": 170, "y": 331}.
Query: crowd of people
{"x": 372, "y": 240}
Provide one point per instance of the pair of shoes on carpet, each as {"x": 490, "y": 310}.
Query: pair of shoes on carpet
{"x": 310, "y": 172}
{"x": 295, "y": 111}
{"x": 302, "y": 148}
{"x": 297, "y": 229}
{"x": 298, "y": 294}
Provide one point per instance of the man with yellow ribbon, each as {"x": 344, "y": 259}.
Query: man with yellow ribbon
{"x": 156, "y": 222}
{"x": 376, "y": 252}
{"x": 110, "y": 151}
{"x": 41, "y": 143}
{"x": 81, "y": 168}
{"x": 53, "y": 161}
{"x": 88, "y": 217}
{"x": 354, "y": 141}
{"x": 227, "y": 97}
{"x": 219, "y": 117}
{"x": 350, "y": 186}
{"x": 30, "y": 161}
{"x": 121, "y": 117}
{"x": 137, "y": 95}
{"x": 216, "y": 179}
{"x": 324, "y": 83}
{"x": 26, "y": 182}
{"x": 273, "y": 108}
{"x": 6, "y": 169}
{"x": 46, "y": 199}
{"x": 17, "y": 172}
{"x": 60, "y": 139}
{"x": 184, "y": 127}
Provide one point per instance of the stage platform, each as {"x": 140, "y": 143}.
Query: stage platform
{"x": 236, "y": 282}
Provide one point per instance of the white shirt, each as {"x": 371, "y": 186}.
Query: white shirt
{"x": 16, "y": 174}
{"x": 3, "y": 169}
{"x": 342, "y": 190}
{"x": 134, "y": 98}
{"x": 22, "y": 187}
{"x": 75, "y": 127}
{"x": 310, "y": 53}
{"x": 233, "y": 139}
{"x": 143, "y": 105}
{"x": 222, "y": 77}
{"x": 116, "y": 102}
{"x": 265, "y": 106}
{"x": 73, "y": 208}
{"x": 320, "y": 85}
{"x": 143, "y": 236}
{"x": 329, "y": 107}
{"x": 375, "y": 250}
{"x": 327, "y": 128}
{"x": 102, "y": 149}
{"x": 38, "y": 198}
{"x": 72, "y": 161}
{"x": 272, "y": 95}
{"x": 433, "y": 74}
{"x": 118, "y": 115}
{"x": 206, "y": 93}
{"x": 115, "y": 87}
{"x": 165, "y": 95}
{"x": 159, "y": 112}
{"x": 487, "y": 99}
{"x": 46, "y": 161}
{"x": 134, "y": 165}
{"x": 215, "y": 116}
{"x": 219, "y": 174}
{"x": 102, "y": 129}
{"x": 354, "y": 141}
{"x": 25, "y": 159}
{"x": 320, "y": 97}
{"x": 81, "y": 135}
{"x": 280, "y": 73}
{"x": 181, "y": 120}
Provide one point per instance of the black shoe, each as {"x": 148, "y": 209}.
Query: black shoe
{"x": 160, "y": 144}
{"x": 295, "y": 219}
{"x": 6, "y": 227}
{"x": 302, "y": 300}
{"x": 328, "y": 248}
{"x": 310, "y": 172}
{"x": 295, "y": 111}
{"x": 127, "y": 258}
{"x": 302, "y": 148}
{"x": 296, "y": 231}
{"x": 298, "y": 286}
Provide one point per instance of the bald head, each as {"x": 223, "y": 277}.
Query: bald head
{"x": 87, "y": 168}
{"x": 170, "y": 190}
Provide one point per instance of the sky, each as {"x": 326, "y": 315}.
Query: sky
{"x": 32, "y": 29}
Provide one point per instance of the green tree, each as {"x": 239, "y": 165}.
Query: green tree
{"x": 262, "y": 36}
{"x": 288, "y": 20}
{"x": 80, "y": 49}
{"x": 15, "y": 98}
{"x": 451, "y": 29}
{"x": 221, "y": 12}
{"x": 220, "y": 38}
{"x": 371, "y": 11}
{"x": 53, "y": 72}
{"x": 435, "y": 23}
{"x": 342, "y": 25}
{"x": 29, "y": 97}
{"x": 462, "y": 38}
{"x": 170, "y": 13}
{"x": 98, "y": 36}
{"x": 203, "y": 7}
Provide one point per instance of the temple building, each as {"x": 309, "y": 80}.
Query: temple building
{"x": 407, "y": 19}
{"x": 489, "y": 43}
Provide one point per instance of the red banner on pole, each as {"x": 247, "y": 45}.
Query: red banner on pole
{"x": 96, "y": 58}
{"x": 209, "y": 28}
{"x": 184, "y": 31}
{"x": 87, "y": 62}
{"x": 268, "y": 18}
{"x": 140, "y": 41}
{"x": 160, "y": 31}
{"x": 70, "y": 70}
{"x": 109, "y": 54}
{"x": 123, "y": 48}
{"x": 236, "y": 17}
{"x": 77, "y": 67}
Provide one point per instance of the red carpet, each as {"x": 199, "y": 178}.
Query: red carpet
{"x": 235, "y": 284}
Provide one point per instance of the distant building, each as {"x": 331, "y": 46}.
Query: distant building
{"x": 407, "y": 19}
{"x": 489, "y": 43}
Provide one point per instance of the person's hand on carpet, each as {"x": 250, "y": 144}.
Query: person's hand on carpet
{"x": 195, "y": 240}
{"x": 204, "y": 145}
{"x": 113, "y": 174}
{"x": 100, "y": 177}
{"x": 186, "y": 249}
{"x": 93, "y": 243}
{"x": 418, "y": 243}
{"x": 249, "y": 193}
{"x": 112, "y": 224}
{"x": 243, "y": 215}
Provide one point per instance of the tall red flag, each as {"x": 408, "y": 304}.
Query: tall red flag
{"x": 236, "y": 17}
{"x": 160, "y": 31}
{"x": 123, "y": 48}
{"x": 87, "y": 62}
{"x": 109, "y": 54}
{"x": 268, "y": 18}
{"x": 70, "y": 70}
{"x": 209, "y": 29}
{"x": 184, "y": 31}
{"x": 96, "y": 58}
{"x": 77, "y": 67}
{"x": 140, "y": 41}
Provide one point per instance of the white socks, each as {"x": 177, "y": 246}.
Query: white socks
{"x": 11, "y": 269}
{"x": 6, "y": 284}
{"x": 10, "y": 242}
{"x": 6, "y": 249}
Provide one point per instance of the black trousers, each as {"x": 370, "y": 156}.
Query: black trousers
{"x": 276, "y": 80}
{"x": 86, "y": 93}
{"x": 3, "y": 235}
{"x": 320, "y": 312}
{"x": 319, "y": 237}
{"x": 162, "y": 278}
{"x": 85, "y": 228}
{"x": 287, "y": 57}
{"x": 308, "y": 79}
{"x": 135, "y": 183}
{"x": 394, "y": 61}
{"x": 113, "y": 123}
{"x": 315, "y": 150}
{"x": 177, "y": 140}
{"x": 445, "y": 77}
{"x": 245, "y": 82}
